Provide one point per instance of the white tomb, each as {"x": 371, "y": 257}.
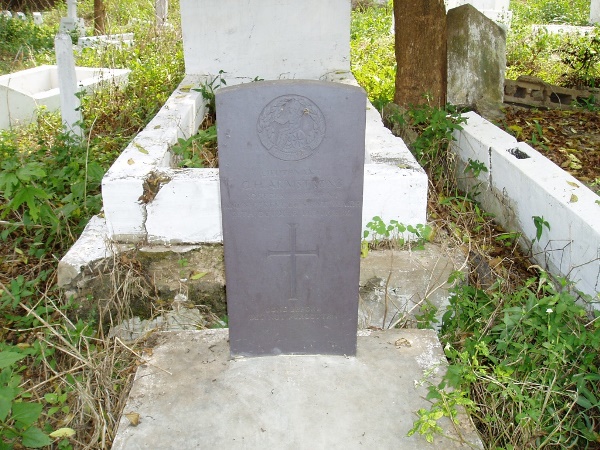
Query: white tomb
{"x": 23, "y": 92}
{"x": 105, "y": 40}
{"x": 269, "y": 39}
{"x": 595, "y": 11}
{"x": 496, "y": 10}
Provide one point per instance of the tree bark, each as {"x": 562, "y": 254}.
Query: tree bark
{"x": 99, "y": 17}
{"x": 420, "y": 52}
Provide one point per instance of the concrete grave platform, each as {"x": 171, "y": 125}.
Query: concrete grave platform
{"x": 191, "y": 394}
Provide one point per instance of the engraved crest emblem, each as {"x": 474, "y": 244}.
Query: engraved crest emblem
{"x": 291, "y": 127}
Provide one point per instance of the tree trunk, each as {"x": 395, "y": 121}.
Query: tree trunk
{"x": 99, "y": 17}
{"x": 420, "y": 52}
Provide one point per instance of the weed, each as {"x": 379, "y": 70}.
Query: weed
{"x": 476, "y": 167}
{"x": 540, "y": 224}
{"x": 528, "y": 363}
{"x": 392, "y": 235}
{"x": 200, "y": 150}
{"x": 208, "y": 93}
{"x": 372, "y": 52}
{"x": 434, "y": 127}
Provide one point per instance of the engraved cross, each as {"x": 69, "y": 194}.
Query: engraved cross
{"x": 293, "y": 253}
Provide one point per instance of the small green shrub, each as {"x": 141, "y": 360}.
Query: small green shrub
{"x": 21, "y": 41}
{"x": 528, "y": 362}
{"x": 373, "y": 60}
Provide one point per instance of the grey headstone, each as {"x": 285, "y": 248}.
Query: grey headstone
{"x": 291, "y": 156}
{"x": 476, "y": 58}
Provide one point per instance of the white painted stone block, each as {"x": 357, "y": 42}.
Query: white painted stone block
{"x": 38, "y": 19}
{"x": 186, "y": 209}
{"x": 7, "y": 14}
{"x": 23, "y": 92}
{"x": 68, "y": 25}
{"x": 477, "y": 139}
{"x": 595, "y": 11}
{"x": 391, "y": 192}
{"x": 21, "y": 15}
{"x": 90, "y": 247}
{"x": 522, "y": 183}
{"x": 270, "y": 39}
{"x": 70, "y": 104}
{"x": 570, "y": 246}
{"x": 117, "y": 40}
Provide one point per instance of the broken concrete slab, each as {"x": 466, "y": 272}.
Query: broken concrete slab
{"x": 190, "y": 393}
{"x": 396, "y": 285}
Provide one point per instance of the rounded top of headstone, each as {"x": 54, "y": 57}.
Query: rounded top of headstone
{"x": 291, "y": 127}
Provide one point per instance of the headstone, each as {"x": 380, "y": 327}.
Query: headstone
{"x": 595, "y": 11}
{"x": 476, "y": 58}
{"x": 38, "y": 19}
{"x": 21, "y": 15}
{"x": 161, "y": 10}
{"x": 291, "y": 156}
{"x": 70, "y": 104}
{"x": 269, "y": 39}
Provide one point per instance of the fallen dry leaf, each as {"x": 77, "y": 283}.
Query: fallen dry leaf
{"x": 134, "y": 418}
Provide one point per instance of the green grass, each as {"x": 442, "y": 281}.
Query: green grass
{"x": 57, "y": 372}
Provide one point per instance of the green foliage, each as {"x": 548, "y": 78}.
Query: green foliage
{"x": 18, "y": 416}
{"x": 434, "y": 127}
{"x": 562, "y": 59}
{"x": 48, "y": 191}
{"x": 528, "y": 362}
{"x": 446, "y": 404}
{"x": 582, "y": 55}
{"x": 190, "y": 152}
{"x": 21, "y": 40}
{"x": 208, "y": 92}
{"x": 574, "y": 12}
{"x": 476, "y": 167}
{"x": 427, "y": 317}
{"x": 373, "y": 60}
{"x": 393, "y": 234}
{"x": 540, "y": 224}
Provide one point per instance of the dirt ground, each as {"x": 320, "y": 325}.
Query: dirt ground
{"x": 569, "y": 138}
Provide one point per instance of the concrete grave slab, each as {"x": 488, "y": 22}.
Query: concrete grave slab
{"x": 190, "y": 394}
{"x": 291, "y": 157}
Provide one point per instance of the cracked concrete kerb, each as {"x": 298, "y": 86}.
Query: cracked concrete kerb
{"x": 189, "y": 394}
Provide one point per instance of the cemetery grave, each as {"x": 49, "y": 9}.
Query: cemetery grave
{"x": 295, "y": 256}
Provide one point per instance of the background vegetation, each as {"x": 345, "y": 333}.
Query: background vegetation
{"x": 62, "y": 381}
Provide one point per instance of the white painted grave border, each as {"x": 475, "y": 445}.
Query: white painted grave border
{"x": 515, "y": 190}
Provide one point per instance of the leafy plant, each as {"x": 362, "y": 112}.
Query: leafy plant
{"x": 198, "y": 149}
{"x": 208, "y": 93}
{"x": 540, "y": 224}
{"x": 373, "y": 60}
{"x": 18, "y": 416}
{"x": 476, "y": 167}
{"x": 435, "y": 127}
{"x": 527, "y": 363}
{"x": 393, "y": 234}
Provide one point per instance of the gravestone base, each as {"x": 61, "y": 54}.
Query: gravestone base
{"x": 191, "y": 394}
